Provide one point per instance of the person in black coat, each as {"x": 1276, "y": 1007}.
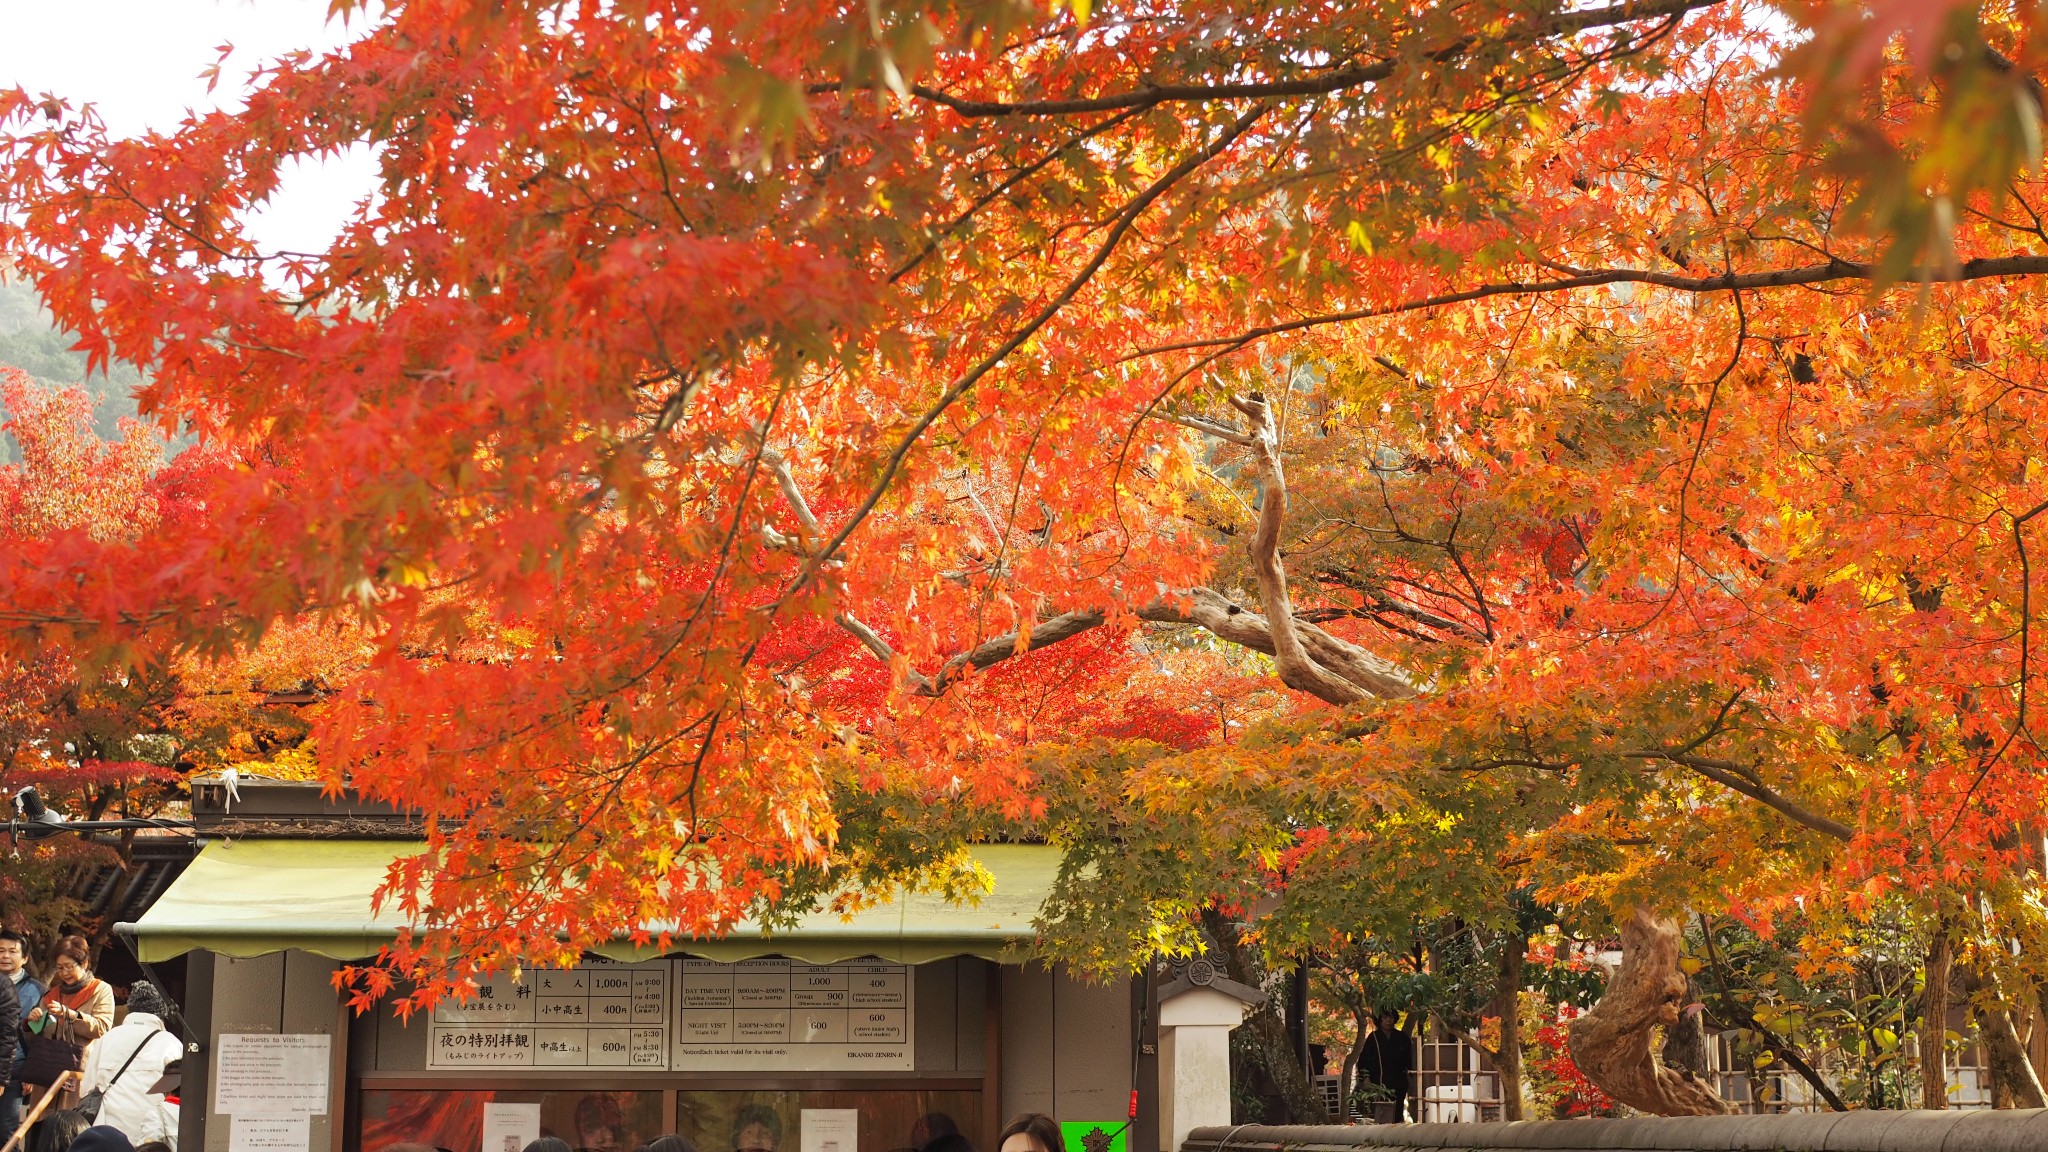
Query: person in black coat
{"x": 1389, "y": 1059}
{"x": 10, "y": 1027}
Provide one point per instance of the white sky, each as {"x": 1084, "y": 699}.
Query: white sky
{"x": 139, "y": 61}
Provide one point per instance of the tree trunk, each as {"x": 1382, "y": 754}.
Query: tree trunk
{"x": 2014, "y": 1082}
{"x": 1348, "y": 1080}
{"x": 1934, "y": 1020}
{"x": 1297, "y": 1017}
{"x": 1614, "y": 1043}
{"x": 1268, "y": 1031}
{"x": 1685, "y": 1043}
{"x": 1508, "y": 1061}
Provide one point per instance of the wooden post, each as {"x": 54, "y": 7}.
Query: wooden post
{"x": 992, "y": 1046}
{"x": 43, "y": 1099}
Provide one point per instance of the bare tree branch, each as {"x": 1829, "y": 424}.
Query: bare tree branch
{"x": 1737, "y": 778}
{"x": 1833, "y": 270}
{"x": 1297, "y": 669}
{"x": 779, "y": 466}
{"x": 1043, "y": 634}
{"x": 1323, "y": 84}
{"x": 1205, "y": 426}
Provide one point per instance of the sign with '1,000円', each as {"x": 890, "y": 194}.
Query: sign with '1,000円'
{"x": 764, "y": 1015}
{"x": 684, "y": 1016}
{"x": 593, "y": 1016}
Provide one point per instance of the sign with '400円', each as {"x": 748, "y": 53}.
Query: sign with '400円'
{"x": 592, "y": 1016}
{"x": 684, "y": 1015}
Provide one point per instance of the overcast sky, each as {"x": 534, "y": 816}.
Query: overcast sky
{"x": 139, "y": 61}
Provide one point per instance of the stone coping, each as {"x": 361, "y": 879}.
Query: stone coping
{"x": 1977, "y": 1130}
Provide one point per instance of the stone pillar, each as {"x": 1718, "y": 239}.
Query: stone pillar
{"x": 1194, "y": 1061}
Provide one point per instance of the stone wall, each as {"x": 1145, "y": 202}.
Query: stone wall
{"x": 1949, "y": 1131}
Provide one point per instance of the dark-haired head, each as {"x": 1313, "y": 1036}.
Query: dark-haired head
{"x": 55, "y": 1132}
{"x": 930, "y": 1127}
{"x": 1032, "y": 1132}
{"x": 144, "y": 997}
{"x": 756, "y": 1128}
{"x": 669, "y": 1143}
{"x": 102, "y": 1138}
{"x": 548, "y": 1144}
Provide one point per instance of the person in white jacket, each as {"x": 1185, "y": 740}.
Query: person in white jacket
{"x": 127, "y": 1102}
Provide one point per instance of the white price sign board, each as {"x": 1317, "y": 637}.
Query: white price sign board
{"x": 592, "y": 1016}
{"x": 765, "y": 1015}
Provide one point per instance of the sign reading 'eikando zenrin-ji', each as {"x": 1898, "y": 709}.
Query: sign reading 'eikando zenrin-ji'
{"x": 683, "y": 1015}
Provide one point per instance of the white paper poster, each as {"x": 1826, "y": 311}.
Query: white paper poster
{"x": 270, "y": 1133}
{"x": 510, "y": 1127}
{"x": 829, "y": 1130}
{"x": 262, "y": 1074}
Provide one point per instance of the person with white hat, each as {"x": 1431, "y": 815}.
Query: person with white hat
{"x": 126, "y": 1063}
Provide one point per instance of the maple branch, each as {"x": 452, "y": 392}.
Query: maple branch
{"x": 1736, "y": 778}
{"x": 1740, "y": 1014}
{"x": 1213, "y": 612}
{"x": 987, "y": 654}
{"x": 1022, "y": 174}
{"x": 778, "y": 466}
{"x": 1201, "y": 607}
{"x": 991, "y": 652}
{"x": 1323, "y": 85}
{"x": 1333, "y": 669}
{"x": 1120, "y": 228}
{"x": 920, "y": 684}
{"x": 1980, "y": 269}
{"x": 1206, "y": 427}
{"x": 784, "y": 480}
{"x": 1042, "y": 634}
{"x": 2019, "y": 718}
{"x": 1297, "y": 669}
{"x": 1378, "y": 603}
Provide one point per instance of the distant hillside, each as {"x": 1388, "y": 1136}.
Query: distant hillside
{"x": 30, "y": 342}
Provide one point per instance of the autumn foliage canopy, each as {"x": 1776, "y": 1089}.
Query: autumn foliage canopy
{"x": 1589, "y": 446}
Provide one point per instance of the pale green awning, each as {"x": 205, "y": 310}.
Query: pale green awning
{"x": 254, "y": 897}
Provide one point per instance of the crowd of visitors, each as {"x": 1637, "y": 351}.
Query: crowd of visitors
{"x": 91, "y": 1084}
{"x": 759, "y": 1129}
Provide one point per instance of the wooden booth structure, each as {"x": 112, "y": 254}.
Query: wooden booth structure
{"x": 881, "y": 1034}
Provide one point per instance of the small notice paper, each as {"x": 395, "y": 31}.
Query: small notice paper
{"x": 827, "y": 1130}
{"x": 270, "y": 1134}
{"x": 260, "y": 1074}
{"x": 510, "y": 1127}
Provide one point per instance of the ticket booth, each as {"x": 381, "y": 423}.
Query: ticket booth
{"x": 912, "y": 1028}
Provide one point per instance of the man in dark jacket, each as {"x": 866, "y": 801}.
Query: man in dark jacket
{"x": 18, "y": 993}
{"x": 1389, "y": 1059}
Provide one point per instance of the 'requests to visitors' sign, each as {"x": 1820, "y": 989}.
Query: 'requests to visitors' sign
{"x": 683, "y": 1015}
